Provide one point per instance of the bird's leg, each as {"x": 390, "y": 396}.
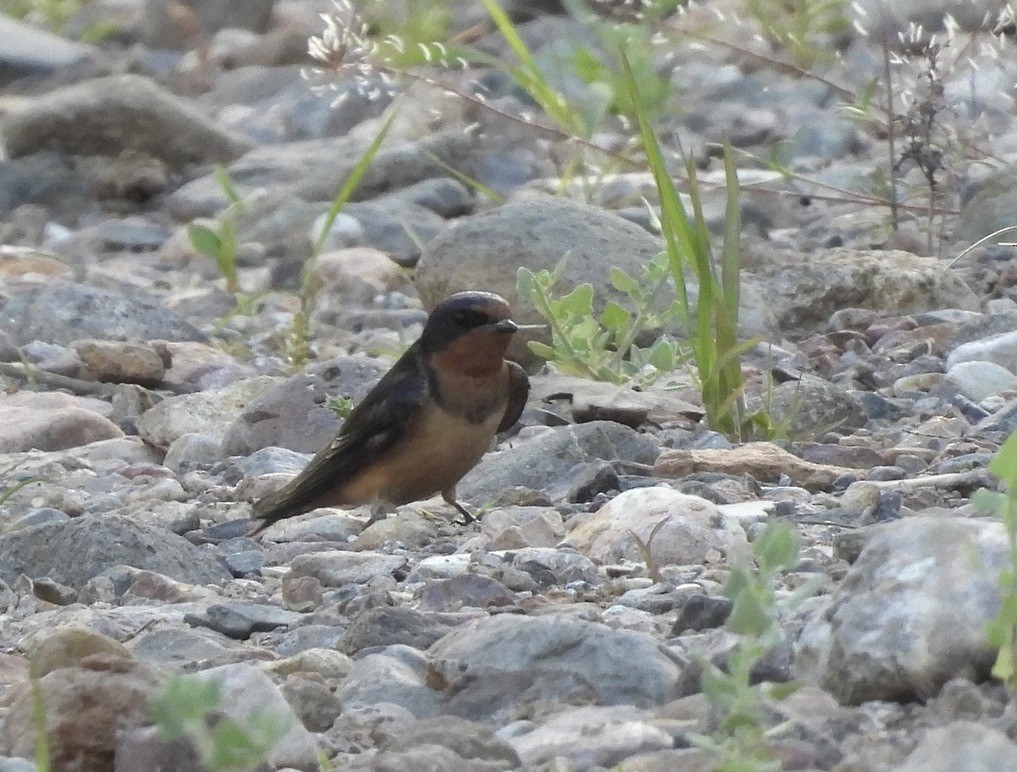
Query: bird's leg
{"x": 379, "y": 511}
{"x": 449, "y": 494}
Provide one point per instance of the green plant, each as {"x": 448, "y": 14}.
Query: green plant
{"x": 800, "y": 27}
{"x": 715, "y": 347}
{"x": 219, "y": 241}
{"x": 605, "y": 349}
{"x": 638, "y": 35}
{"x": 187, "y": 708}
{"x": 739, "y": 741}
{"x": 298, "y": 344}
{"x": 410, "y": 29}
{"x": 340, "y": 404}
{"x": 1002, "y": 630}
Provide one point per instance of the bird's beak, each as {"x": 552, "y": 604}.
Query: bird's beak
{"x": 507, "y": 325}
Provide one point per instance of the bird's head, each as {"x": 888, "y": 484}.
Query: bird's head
{"x": 469, "y": 331}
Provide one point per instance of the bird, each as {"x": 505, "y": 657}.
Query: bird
{"x": 425, "y": 424}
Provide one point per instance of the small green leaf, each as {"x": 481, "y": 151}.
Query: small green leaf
{"x": 776, "y": 547}
{"x": 524, "y": 282}
{"x": 622, "y": 282}
{"x": 542, "y": 350}
{"x": 664, "y": 355}
{"x": 579, "y": 301}
{"x": 204, "y": 239}
{"x": 749, "y": 614}
{"x": 615, "y": 317}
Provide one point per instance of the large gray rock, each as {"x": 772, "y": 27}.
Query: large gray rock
{"x": 73, "y": 551}
{"x": 503, "y": 662}
{"x": 64, "y": 312}
{"x": 293, "y": 414}
{"x": 692, "y": 527}
{"x": 910, "y": 614}
{"x": 108, "y": 116}
{"x": 804, "y": 291}
{"x": 544, "y": 460}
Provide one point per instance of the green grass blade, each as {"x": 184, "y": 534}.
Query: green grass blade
{"x": 530, "y": 77}
{"x": 674, "y": 223}
{"x": 352, "y": 181}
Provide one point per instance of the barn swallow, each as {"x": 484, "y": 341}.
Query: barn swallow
{"x": 426, "y": 423}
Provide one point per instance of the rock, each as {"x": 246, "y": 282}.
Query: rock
{"x": 978, "y": 380}
{"x": 72, "y": 552}
{"x": 591, "y": 737}
{"x": 26, "y": 50}
{"x": 121, "y": 362}
{"x": 47, "y": 179}
{"x": 335, "y": 569}
{"x": 240, "y": 620}
{"x": 358, "y": 274}
{"x": 327, "y": 663}
{"x": 396, "y": 675}
{"x": 211, "y": 412}
{"x": 63, "y": 313}
{"x": 765, "y": 461}
{"x": 467, "y": 739}
{"x": 176, "y": 24}
{"x": 323, "y": 527}
{"x": 310, "y": 169}
{"x": 175, "y": 646}
{"x": 396, "y": 227}
{"x": 962, "y": 745}
{"x": 312, "y": 701}
{"x": 191, "y": 451}
{"x": 245, "y": 691}
{"x": 988, "y": 208}
{"x": 108, "y": 116}
{"x": 805, "y": 290}
{"x": 517, "y": 527}
{"x": 541, "y": 461}
{"x": 86, "y": 708}
{"x": 197, "y": 367}
{"x": 386, "y": 625}
{"x": 69, "y": 646}
{"x": 911, "y": 612}
{"x": 811, "y": 406}
{"x": 498, "y": 663}
{"x": 294, "y": 414}
{"x": 408, "y": 528}
{"x": 455, "y": 592}
{"x": 1000, "y": 349}
{"x": 692, "y": 528}
{"x": 27, "y": 428}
